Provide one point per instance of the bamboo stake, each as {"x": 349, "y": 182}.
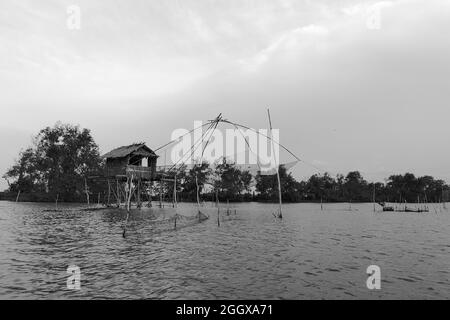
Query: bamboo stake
{"x": 109, "y": 193}
{"x": 117, "y": 193}
{"x": 150, "y": 194}
{"x": 139, "y": 194}
{"x": 280, "y": 215}
{"x": 87, "y": 191}
{"x": 218, "y": 216}
{"x": 160, "y": 194}
{"x": 175, "y": 191}
{"x": 198, "y": 191}
{"x": 130, "y": 192}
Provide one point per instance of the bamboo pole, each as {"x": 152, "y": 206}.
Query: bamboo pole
{"x": 280, "y": 214}
{"x": 109, "y": 193}
{"x": 87, "y": 191}
{"x": 218, "y": 216}
{"x": 150, "y": 188}
{"x": 175, "y": 191}
{"x": 198, "y": 191}
{"x": 139, "y": 194}
{"x": 17, "y": 198}
{"x": 130, "y": 193}
{"x": 117, "y": 193}
{"x": 160, "y": 194}
{"x": 128, "y": 204}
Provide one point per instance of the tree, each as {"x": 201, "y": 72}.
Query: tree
{"x": 199, "y": 174}
{"x": 355, "y": 186}
{"x": 231, "y": 182}
{"x": 267, "y": 186}
{"x": 60, "y": 160}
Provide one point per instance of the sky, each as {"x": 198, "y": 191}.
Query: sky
{"x": 351, "y": 85}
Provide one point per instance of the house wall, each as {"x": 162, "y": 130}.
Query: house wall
{"x": 116, "y": 167}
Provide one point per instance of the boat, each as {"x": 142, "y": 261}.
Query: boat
{"x": 386, "y": 207}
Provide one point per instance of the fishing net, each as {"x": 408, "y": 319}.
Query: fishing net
{"x": 176, "y": 221}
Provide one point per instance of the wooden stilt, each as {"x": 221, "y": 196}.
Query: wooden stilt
{"x": 139, "y": 204}
{"x": 160, "y": 194}
{"x": 117, "y": 193}
{"x": 109, "y": 193}
{"x": 150, "y": 194}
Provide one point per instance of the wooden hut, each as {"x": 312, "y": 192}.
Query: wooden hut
{"x": 130, "y": 160}
{"x": 132, "y": 168}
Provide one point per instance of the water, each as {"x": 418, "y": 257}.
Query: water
{"x": 310, "y": 254}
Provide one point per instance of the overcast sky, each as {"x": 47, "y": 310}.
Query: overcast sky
{"x": 347, "y": 90}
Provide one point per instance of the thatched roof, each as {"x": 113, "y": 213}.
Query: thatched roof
{"x": 135, "y": 149}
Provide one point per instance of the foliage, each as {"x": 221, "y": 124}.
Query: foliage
{"x": 58, "y": 163}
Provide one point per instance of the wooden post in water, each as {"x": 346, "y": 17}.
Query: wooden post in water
{"x": 198, "y": 190}
{"x": 56, "y": 203}
{"x": 218, "y": 216}
{"x": 373, "y": 199}
{"x": 321, "y": 204}
{"x": 160, "y": 193}
{"x": 175, "y": 191}
{"x": 17, "y": 198}
{"x": 128, "y": 195}
{"x": 86, "y": 190}
{"x": 117, "y": 193}
{"x": 280, "y": 214}
{"x": 109, "y": 193}
{"x": 139, "y": 203}
{"x": 150, "y": 188}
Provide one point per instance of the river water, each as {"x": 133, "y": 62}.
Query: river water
{"x": 310, "y": 254}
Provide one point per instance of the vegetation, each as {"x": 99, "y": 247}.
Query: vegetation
{"x": 62, "y": 157}
{"x": 56, "y": 165}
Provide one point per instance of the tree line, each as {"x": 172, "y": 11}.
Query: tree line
{"x": 62, "y": 157}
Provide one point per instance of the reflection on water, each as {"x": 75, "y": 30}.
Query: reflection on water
{"x": 310, "y": 254}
